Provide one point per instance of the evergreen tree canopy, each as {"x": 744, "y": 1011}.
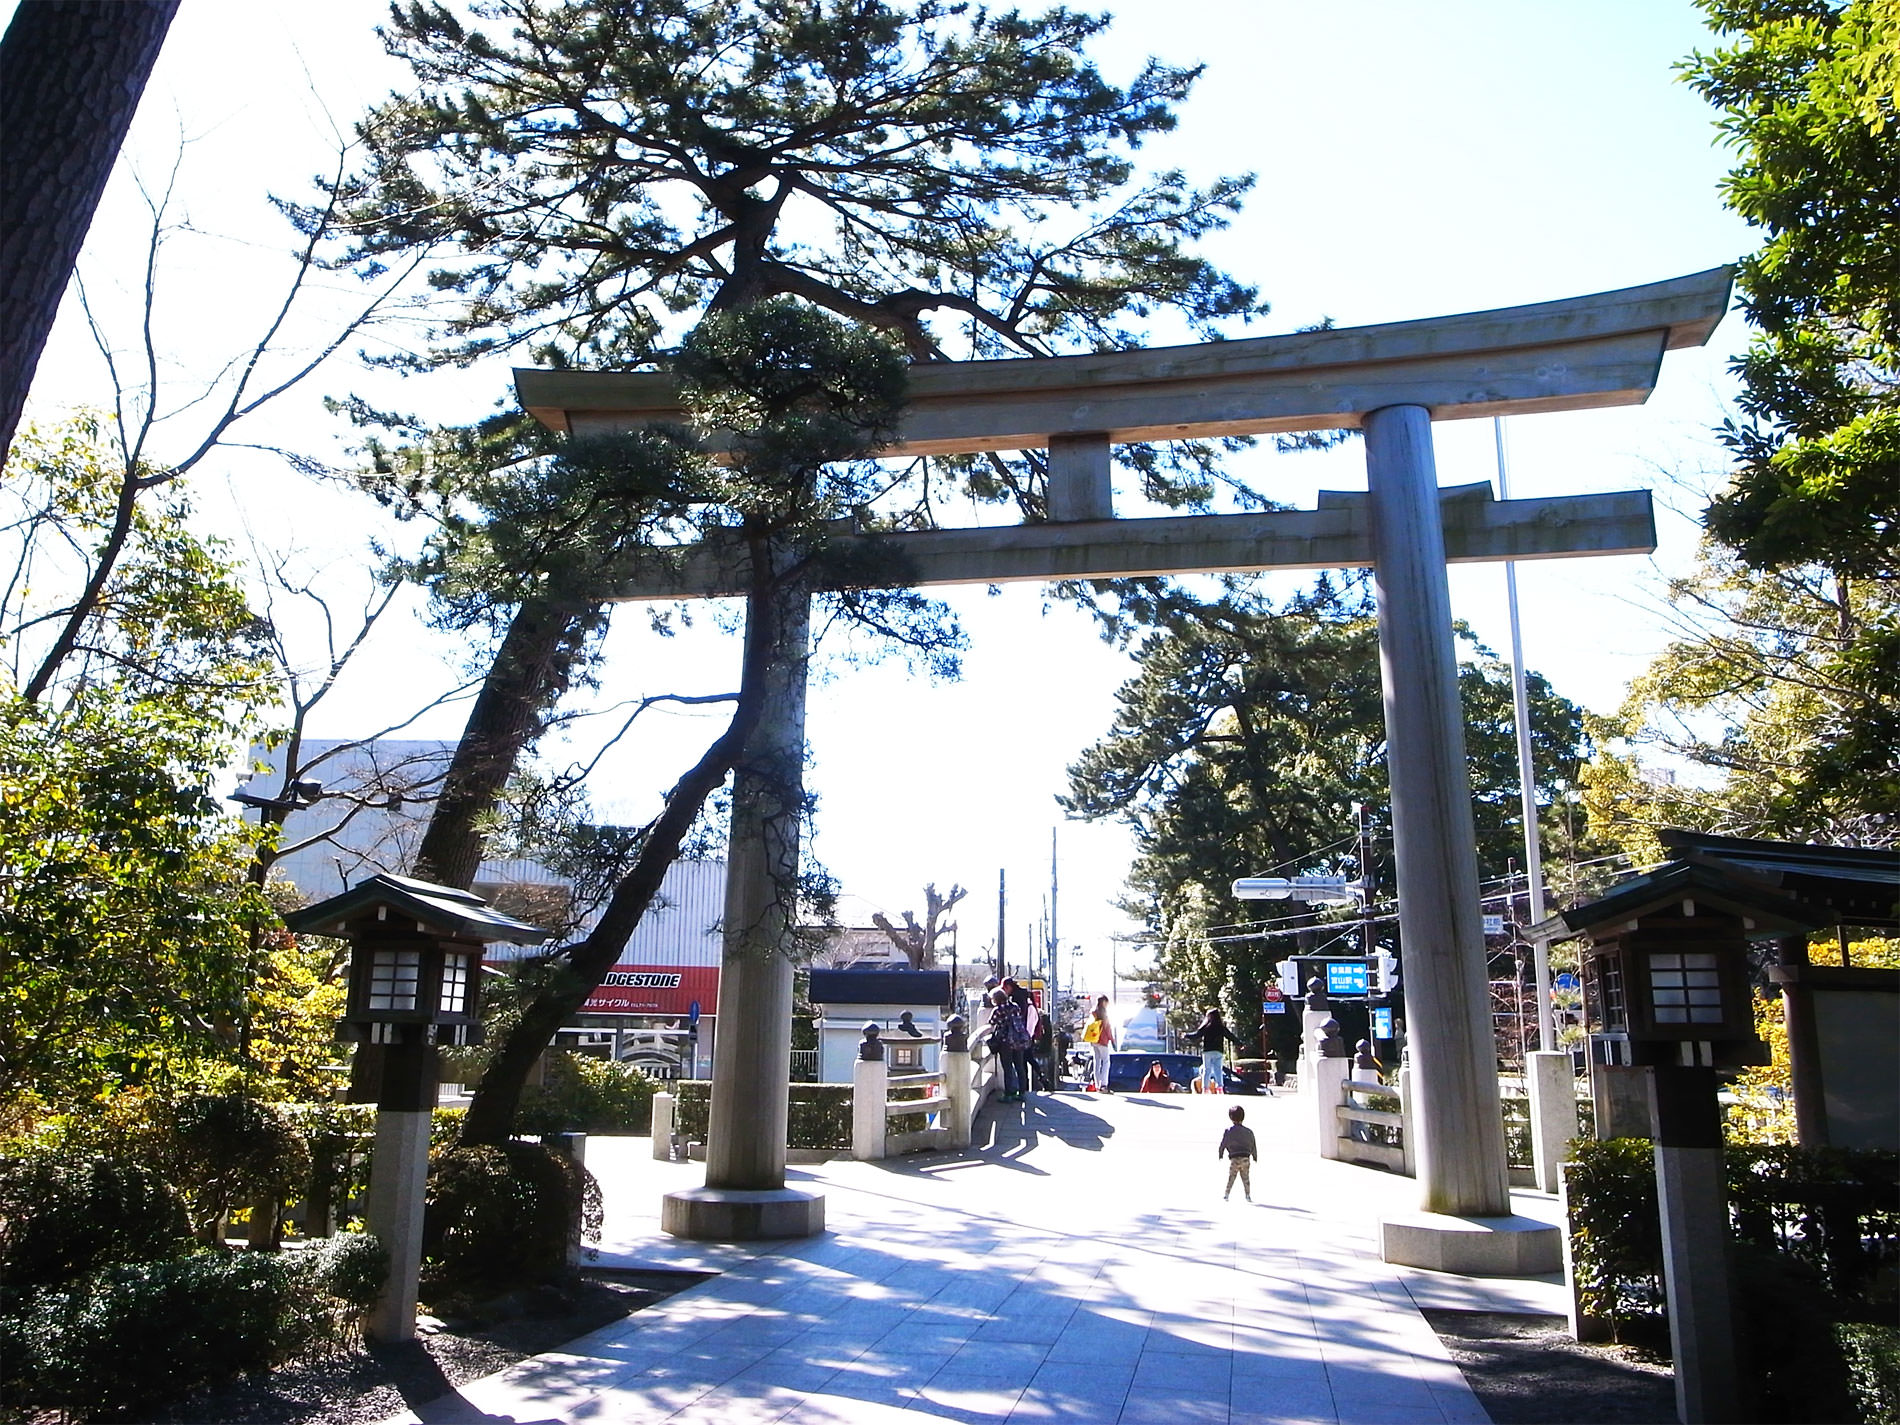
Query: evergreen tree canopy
{"x": 1810, "y": 94}
{"x": 1783, "y": 680}
{"x": 603, "y": 164}
{"x": 1246, "y": 737}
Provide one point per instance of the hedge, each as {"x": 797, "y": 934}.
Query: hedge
{"x": 134, "y": 1335}
{"x": 1816, "y": 1237}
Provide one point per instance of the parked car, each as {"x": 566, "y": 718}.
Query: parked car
{"x": 1127, "y": 1070}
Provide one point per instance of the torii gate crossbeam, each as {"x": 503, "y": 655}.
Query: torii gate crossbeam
{"x": 1390, "y": 382}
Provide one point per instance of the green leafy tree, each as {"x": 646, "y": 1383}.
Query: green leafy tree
{"x": 1757, "y": 705}
{"x": 1245, "y": 739}
{"x": 601, "y": 163}
{"x": 125, "y": 915}
{"x": 1808, "y": 91}
{"x": 128, "y": 952}
{"x": 606, "y": 168}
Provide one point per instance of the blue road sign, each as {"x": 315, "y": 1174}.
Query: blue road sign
{"x": 1347, "y": 977}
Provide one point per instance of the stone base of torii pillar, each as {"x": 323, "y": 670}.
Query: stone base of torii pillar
{"x": 1464, "y": 1223}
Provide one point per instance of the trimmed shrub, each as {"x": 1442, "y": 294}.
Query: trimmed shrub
{"x": 502, "y": 1217}
{"x": 134, "y": 1335}
{"x": 1616, "y": 1233}
{"x": 583, "y": 1094}
{"x": 61, "y": 1220}
{"x": 1872, "y": 1354}
{"x": 350, "y": 1269}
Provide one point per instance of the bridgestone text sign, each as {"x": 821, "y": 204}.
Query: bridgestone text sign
{"x": 656, "y": 989}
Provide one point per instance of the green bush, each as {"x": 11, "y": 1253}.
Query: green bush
{"x": 584, "y": 1094}
{"x": 501, "y": 1217}
{"x": 1814, "y": 1233}
{"x": 1872, "y": 1354}
{"x": 61, "y": 1220}
{"x": 134, "y": 1335}
{"x": 226, "y": 1151}
{"x": 1616, "y": 1232}
{"x": 349, "y": 1268}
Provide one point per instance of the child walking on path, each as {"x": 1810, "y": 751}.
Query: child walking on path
{"x": 1238, "y": 1147}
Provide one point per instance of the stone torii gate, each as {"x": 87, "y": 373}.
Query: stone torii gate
{"x": 1391, "y": 382}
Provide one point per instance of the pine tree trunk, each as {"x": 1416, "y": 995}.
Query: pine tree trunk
{"x": 532, "y": 669}
{"x": 71, "y": 74}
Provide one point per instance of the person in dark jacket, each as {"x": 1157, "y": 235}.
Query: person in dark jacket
{"x": 1009, "y": 1036}
{"x": 1238, "y": 1147}
{"x": 1214, "y": 1036}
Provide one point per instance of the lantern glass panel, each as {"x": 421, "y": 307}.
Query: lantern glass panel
{"x": 1609, "y": 985}
{"x": 1686, "y": 988}
{"x": 393, "y": 977}
{"x": 454, "y": 998}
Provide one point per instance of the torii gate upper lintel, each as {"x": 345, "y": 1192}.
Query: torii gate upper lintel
{"x": 1389, "y": 381}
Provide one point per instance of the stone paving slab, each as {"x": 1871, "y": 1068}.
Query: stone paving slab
{"x": 1077, "y": 1265}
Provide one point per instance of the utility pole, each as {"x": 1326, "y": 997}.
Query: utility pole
{"x": 1365, "y": 880}
{"x": 1002, "y": 905}
{"x": 1052, "y": 919}
{"x": 1526, "y": 773}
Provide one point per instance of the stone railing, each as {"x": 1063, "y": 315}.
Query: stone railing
{"x": 1370, "y": 1126}
{"x": 943, "y": 1099}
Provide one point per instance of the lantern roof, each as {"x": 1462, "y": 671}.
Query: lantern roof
{"x": 1773, "y": 912}
{"x": 446, "y": 910}
{"x": 1853, "y": 885}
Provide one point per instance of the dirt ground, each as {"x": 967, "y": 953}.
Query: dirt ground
{"x": 1526, "y": 1370}
{"x": 378, "y": 1381}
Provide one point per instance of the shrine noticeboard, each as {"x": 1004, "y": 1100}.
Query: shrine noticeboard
{"x": 656, "y": 989}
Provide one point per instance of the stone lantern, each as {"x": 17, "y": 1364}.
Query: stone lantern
{"x": 414, "y": 984}
{"x": 1665, "y": 959}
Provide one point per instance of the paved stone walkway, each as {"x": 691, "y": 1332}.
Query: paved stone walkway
{"x": 1079, "y": 1265}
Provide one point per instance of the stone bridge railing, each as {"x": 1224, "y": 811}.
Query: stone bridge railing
{"x": 949, "y": 1099}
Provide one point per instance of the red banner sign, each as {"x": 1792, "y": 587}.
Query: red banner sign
{"x": 656, "y": 989}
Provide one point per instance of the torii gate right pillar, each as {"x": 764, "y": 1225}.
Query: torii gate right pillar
{"x": 1465, "y": 1223}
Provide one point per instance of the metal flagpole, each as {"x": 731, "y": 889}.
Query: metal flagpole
{"x": 1526, "y": 773}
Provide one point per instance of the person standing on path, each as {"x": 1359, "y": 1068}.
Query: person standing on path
{"x": 1009, "y": 1036}
{"x": 1214, "y": 1035}
{"x": 1238, "y": 1147}
{"x": 1099, "y": 1035}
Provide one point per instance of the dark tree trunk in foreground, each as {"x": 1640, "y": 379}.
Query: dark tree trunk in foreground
{"x": 71, "y": 74}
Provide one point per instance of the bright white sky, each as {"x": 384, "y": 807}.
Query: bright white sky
{"x": 1414, "y": 160}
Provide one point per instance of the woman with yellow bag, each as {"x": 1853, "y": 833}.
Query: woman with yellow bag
{"x": 1099, "y": 1035}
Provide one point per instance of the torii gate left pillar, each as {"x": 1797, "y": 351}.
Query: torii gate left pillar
{"x": 1391, "y": 382}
